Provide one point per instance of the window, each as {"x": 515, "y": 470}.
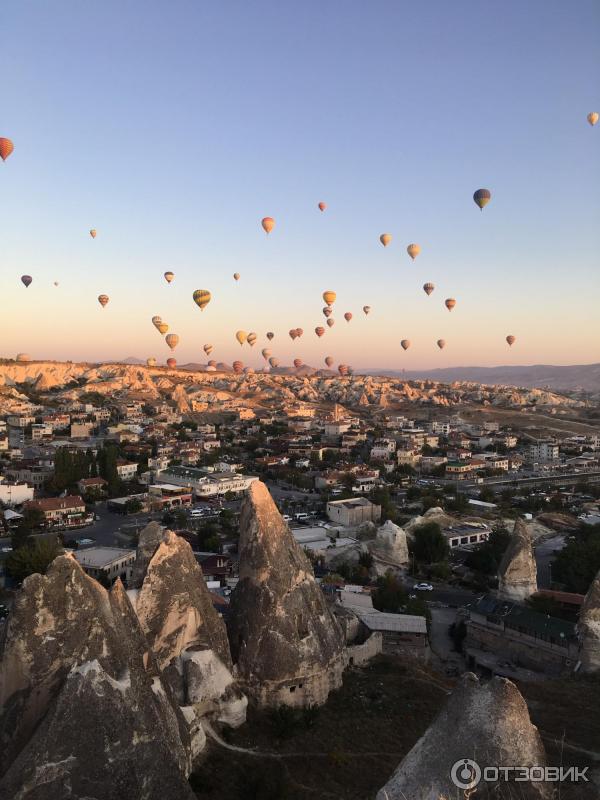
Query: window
{"x": 292, "y": 688}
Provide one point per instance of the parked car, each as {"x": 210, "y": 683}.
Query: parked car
{"x": 423, "y": 587}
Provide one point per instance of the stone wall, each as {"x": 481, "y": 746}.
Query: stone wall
{"x": 359, "y": 654}
{"x": 302, "y": 691}
{"x": 519, "y": 649}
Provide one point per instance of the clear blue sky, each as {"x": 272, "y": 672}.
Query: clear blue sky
{"x": 174, "y": 127}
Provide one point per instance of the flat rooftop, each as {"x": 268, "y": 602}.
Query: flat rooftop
{"x": 101, "y": 557}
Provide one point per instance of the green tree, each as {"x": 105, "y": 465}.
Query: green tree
{"x": 133, "y": 506}
{"x": 33, "y": 520}
{"x": 578, "y": 562}
{"x": 429, "y": 543}
{"x": 486, "y": 558}
{"x": 32, "y": 557}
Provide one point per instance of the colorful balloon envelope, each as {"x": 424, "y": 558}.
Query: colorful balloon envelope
{"x": 428, "y": 288}
{"x": 6, "y": 148}
{"x": 343, "y": 369}
{"x": 274, "y": 362}
{"x": 450, "y": 303}
{"x": 270, "y": 335}
{"x": 511, "y": 340}
{"x": 171, "y": 363}
{"x": 329, "y": 361}
{"x": 208, "y": 348}
{"x": 331, "y": 322}
{"x": 413, "y": 250}
{"x": 367, "y": 309}
{"x": 299, "y": 332}
{"x": 169, "y": 276}
{"x": 405, "y": 344}
{"x": 293, "y": 334}
{"x": 103, "y": 300}
{"x": 238, "y": 367}
{"x": 26, "y": 280}
{"x": 268, "y": 224}
{"x": 151, "y": 362}
{"x": 592, "y": 118}
{"x": 482, "y": 197}
{"x": 212, "y": 364}
{"x": 201, "y": 298}
{"x": 329, "y": 297}
{"x": 347, "y": 316}
{"x": 385, "y": 239}
{"x": 93, "y": 233}
{"x": 322, "y": 206}
{"x": 297, "y": 363}
{"x": 327, "y": 311}
{"x": 156, "y": 320}
{"x": 241, "y": 336}
{"x": 162, "y": 327}
{"x": 251, "y": 339}
{"x": 441, "y": 343}
{"x": 236, "y": 276}
{"x": 266, "y": 353}
{"x": 172, "y": 340}
{"x": 319, "y": 331}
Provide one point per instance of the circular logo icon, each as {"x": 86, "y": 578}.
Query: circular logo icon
{"x": 465, "y": 773}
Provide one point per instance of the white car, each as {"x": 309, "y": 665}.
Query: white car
{"x": 423, "y": 587}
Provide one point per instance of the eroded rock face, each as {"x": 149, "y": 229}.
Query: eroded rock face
{"x": 391, "y": 543}
{"x": 150, "y": 538}
{"x": 517, "y": 573}
{"x": 59, "y": 622}
{"x": 588, "y": 628}
{"x": 286, "y": 644}
{"x": 495, "y": 730}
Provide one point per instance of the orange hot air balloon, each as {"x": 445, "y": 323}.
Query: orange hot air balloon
{"x": 274, "y": 362}
{"x": 208, "y": 348}
{"x": 201, "y": 298}
{"x": 592, "y": 118}
{"x": 428, "y": 288}
{"x": 299, "y": 332}
{"x": 331, "y": 322}
{"x": 413, "y": 250}
{"x": 343, "y": 369}
{"x": 93, "y": 233}
{"x": 270, "y": 335}
{"x": 172, "y": 340}
{"x": 292, "y": 333}
{"x": 162, "y": 327}
{"x": 171, "y": 363}
{"x": 103, "y": 299}
{"x": 450, "y": 303}
{"x": 241, "y": 336}
{"x": 268, "y": 224}
{"x": 238, "y": 367}
{"x": 236, "y": 276}
{"x": 405, "y": 344}
{"x": 385, "y": 239}
{"x": 319, "y": 331}
{"x": 329, "y": 297}
{"x": 297, "y": 363}
{"x": 347, "y": 316}
{"x": 511, "y": 340}
{"x": 328, "y": 360}
{"x": 266, "y": 353}
{"x": 367, "y": 309}
{"x": 327, "y": 311}
{"x": 441, "y": 343}
{"x": 251, "y": 339}
{"x": 169, "y": 276}
{"x": 322, "y": 206}
{"x": 6, "y": 148}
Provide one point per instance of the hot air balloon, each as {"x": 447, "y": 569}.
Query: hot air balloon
{"x": 56, "y": 283}
{"x": 162, "y": 327}
{"x": 151, "y": 362}
{"x": 172, "y": 340}
{"x": 93, "y": 233}
{"x": 292, "y": 334}
{"x": 6, "y": 148}
{"x": 319, "y": 331}
{"x": 274, "y": 362}
{"x": 201, "y": 298}
{"x": 241, "y": 336}
{"x": 327, "y": 311}
{"x": 328, "y": 360}
{"x": 268, "y": 224}
{"x": 405, "y": 344}
{"x": 367, "y": 309}
{"x": 251, "y": 339}
{"x": 266, "y": 353}
{"x": 347, "y": 316}
{"x": 156, "y": 321}
{"x": 482, "y": 197}
{"x": 270, "y": 335}
{"x": 171, "y": 363}
{"x": 212, "y": 364}
{"x": 297, "y": 363}
{"x": 299, "y": 332}
{"x": 236, "y": 276}
{"x": 103, "y": 300}
{"x": 322, "y": 206}
{"x": 511, "y": 340}
{"x": 413, "y": 250}
{"x": 329, "y": 297}
{"x": 248, "y": 370}
{"x": 169, "y": 276}
{"x": 592, "y": 118}
{"x": 343, "y": 369}
{"x": 331, "y": 322}
{"x": 385, "y": 239}
{"x": 237, "y": 367}
{"x": 450, "y": 303}
{"x": 428, "y": 288}
{"x": 208, "y": 348}
{"x": 441, "y": 343}
{"x": 26, "y": 280}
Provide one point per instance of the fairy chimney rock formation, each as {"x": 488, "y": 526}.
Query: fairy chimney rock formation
{"x": 495, "y": 730}
{"x": 588, "y": 628}
{"x": 391, "y": 542}
{"x": 286, "y": 644}
{"x": 517, "y": 573}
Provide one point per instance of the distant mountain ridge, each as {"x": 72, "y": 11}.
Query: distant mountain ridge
{"x": 577, "y": 376}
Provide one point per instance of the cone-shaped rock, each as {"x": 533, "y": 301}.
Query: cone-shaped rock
{"x": 391, "y": 542}
{"x": 287, "y": 646}
{"x": 495, "y": 730}
{"x": 588, "y": 628}
{"x": 517, "y": 573}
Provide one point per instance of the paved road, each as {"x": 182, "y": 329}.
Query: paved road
{"x": 544, "y": 556}
{"x": 104, "y": 529}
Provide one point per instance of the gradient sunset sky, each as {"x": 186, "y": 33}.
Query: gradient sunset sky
{"x": 174, "y": 127}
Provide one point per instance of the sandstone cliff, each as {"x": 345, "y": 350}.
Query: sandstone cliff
{"x": 517, "y": 573}
{"x": 495, "y": 730}
{"x": 286, "y": 644}
{"x": 391, "y": 544}
{"x": 588, "y": 628}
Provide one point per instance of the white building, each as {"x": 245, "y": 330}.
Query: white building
{"x": 13, "y": 494}
{"x": 542, "y": 452}
{"x": 204, "y": 486}
{"x": 126, "y": 470}
{"x": 108, "y": 563}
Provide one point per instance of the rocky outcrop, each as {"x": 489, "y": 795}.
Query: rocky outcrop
{"x": 495, "y": 730}
{"x": 285, "y": 643}
{"x": 391, "y": 544}
{"x": 61, "y": 622}
{"x": 517, "y": 573}
{"x": 588, "y": 629}
{"x": 148, "y": 542}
